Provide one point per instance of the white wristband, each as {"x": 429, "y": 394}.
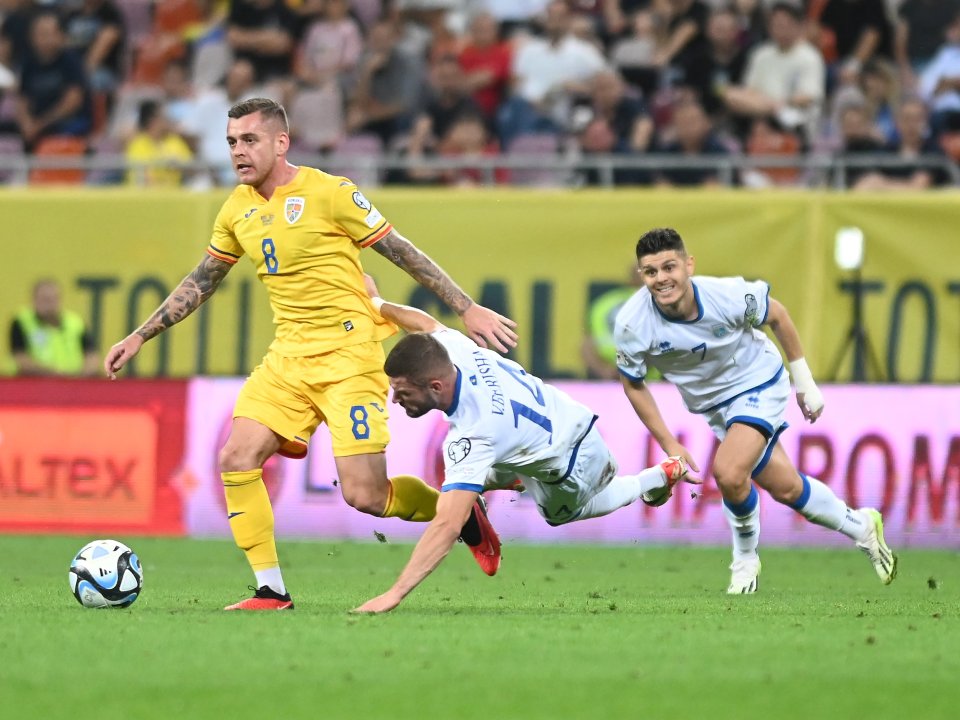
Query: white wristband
{"x": 377, "y": 303}
{"x": 802, "y": 377}
{"x": 803, "y": 380}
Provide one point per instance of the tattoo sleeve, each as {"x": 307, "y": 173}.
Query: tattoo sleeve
{"x": 402, "y": 253}
{"x": 190, "y": 294}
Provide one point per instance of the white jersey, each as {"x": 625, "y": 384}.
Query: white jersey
{"x": 504, "y": 419}
{"x": 712, "y": 359}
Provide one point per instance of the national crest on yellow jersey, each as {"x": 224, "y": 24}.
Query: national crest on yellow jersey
{"x": 305, "y": 244}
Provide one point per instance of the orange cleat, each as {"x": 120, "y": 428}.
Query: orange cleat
{"x": 487, "y": 552}
{"x": 674, "y": 470}
{"x": 263, "y": 599}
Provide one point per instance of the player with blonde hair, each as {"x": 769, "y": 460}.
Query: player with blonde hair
{"x": 303, "y": 230}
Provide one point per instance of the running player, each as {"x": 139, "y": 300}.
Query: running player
{"x": 504, "y": 422}
{"x": 303, "y": 231}
{"x": 703, "y": 335}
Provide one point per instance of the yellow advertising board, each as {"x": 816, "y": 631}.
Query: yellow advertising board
{"x": 538, "y": 256}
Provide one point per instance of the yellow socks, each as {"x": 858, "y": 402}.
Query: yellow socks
{"x": 411, "y": 499}
{"x": 251, "y": 517}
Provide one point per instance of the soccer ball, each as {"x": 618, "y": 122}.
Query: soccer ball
{"x": 106, "y": 574}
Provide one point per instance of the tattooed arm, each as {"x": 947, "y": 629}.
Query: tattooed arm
{"x": 482, "y": 324}
{"x": 190, "y": 294}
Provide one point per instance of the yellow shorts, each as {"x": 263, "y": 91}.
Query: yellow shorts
{"x": 346, "y": 388}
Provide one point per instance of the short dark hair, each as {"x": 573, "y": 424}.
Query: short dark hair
{"x": 792, "y": 9}
{"x": 419, "y": 357}
{"x": 149, "y": 109}
{"x": 270, "y": 109}
{"x": 659, "y": 240}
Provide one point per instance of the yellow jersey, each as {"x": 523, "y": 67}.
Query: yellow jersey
{"x": 305, "y": 243}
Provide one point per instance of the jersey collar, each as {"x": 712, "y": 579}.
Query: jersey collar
{"x": 456, "y": 394}
{"x": 696, "y": 297}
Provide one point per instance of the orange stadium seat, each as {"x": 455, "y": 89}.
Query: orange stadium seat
{"x": 65, "y": 146}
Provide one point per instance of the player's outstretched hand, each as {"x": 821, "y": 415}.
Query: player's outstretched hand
{"x": 678, "y": 450}
{"x": 120, "y": 354}
{"x": 811, "y": 404}
{"x": 380, "y": 604}
{"x": 486, "y": 326}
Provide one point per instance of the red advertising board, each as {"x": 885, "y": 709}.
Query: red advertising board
{"x": 91, "y": 456}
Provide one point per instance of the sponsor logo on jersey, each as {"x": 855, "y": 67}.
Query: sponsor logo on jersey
{"x": 267, "y": 219}
{"x": 249, "y": 212}
{"x": 720, "y": 331}
{"x": 360, "y": 201}
{"x": 293, "y": 209}
{"x": 373, "y": 218}
{"x": 458, "y": 450}
{"x": 665, "y": 346}
{"x": 348, "y": 325}
{"x": 752, "y": 313}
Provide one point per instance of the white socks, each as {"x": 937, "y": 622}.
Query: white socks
{"x": 623, "y": 490}
{"x": 272, "y": 578}
{"x": 744, "y": 520}
{"x": 818, "y": 504}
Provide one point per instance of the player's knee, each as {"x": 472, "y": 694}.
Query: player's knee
{"x": 365, "y": 499}
{"x": 236, "y": 459}
{"x": 730, "y": 478}
{"x": 788, "y": 495}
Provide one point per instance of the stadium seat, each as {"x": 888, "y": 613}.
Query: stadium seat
{"x": 59, "y": 146}
{"x": 534, "y": 146}
{"x": 355, "y": 157}
{"x": 13, "y": 169}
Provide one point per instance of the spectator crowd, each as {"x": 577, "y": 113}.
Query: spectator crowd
{"x": 152, "y": 80}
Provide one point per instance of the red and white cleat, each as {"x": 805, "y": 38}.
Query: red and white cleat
{"x": 675, "y": 469}
{"x": 487, "y": 552}
{"x": 263, "y": 599}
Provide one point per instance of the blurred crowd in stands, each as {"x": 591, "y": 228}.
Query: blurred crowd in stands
{"x": 152, "y": 80}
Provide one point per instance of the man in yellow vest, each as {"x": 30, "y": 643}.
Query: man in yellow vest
{"x": 48, "y": 340}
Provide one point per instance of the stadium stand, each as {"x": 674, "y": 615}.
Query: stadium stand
{"x": 666, "y": 53}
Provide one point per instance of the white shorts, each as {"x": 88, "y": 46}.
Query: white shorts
{"x": 591, "y": 468}
{"x": 762, "y": 408}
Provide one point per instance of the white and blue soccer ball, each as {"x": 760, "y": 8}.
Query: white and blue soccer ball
{"x": 106, "y": 574}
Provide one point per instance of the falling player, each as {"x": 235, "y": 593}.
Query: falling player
{"x": 504, "y": 422}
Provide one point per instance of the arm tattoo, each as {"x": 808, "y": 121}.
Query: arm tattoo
{"x": 402, "y": 253}
{"x": 190, "y": 294}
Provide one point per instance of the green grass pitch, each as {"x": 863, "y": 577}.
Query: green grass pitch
{"x": 561, "y": 632}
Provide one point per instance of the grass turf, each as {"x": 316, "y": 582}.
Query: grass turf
{"x": 561, "y": 632}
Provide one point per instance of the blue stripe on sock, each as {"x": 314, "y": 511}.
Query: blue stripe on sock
{"x": 804, "y": 496}
{"x": 747, "y": 506}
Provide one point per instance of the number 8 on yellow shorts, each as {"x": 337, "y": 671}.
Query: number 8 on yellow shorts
{"x": 346, "y": 389}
